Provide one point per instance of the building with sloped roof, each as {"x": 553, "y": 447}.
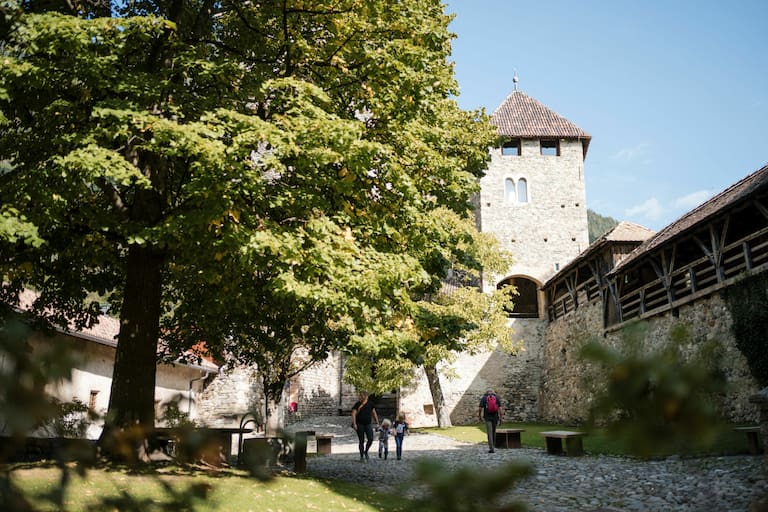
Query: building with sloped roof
{"x": 93, "y": 353}
{"x": 533, "y": 199}
{"x": 705, "y": 273}
{"x": 533, "y": 196}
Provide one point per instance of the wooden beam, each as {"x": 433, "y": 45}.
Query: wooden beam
{"x": 714, "y": 251}
{"x": 570, "y": 283}
{"x": 692, "y": 278}
{"x": 748, "y": 263}
{"x": 663, "y": 270}
{"x": 762, "y": 209}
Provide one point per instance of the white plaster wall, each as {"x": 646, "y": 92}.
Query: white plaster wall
{"x": 93, "y": 372}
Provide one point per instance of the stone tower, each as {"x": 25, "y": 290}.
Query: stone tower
{"x": 533, "y": 199}
{"x": 533, "y": 196}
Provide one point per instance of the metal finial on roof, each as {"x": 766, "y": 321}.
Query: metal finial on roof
{"x": 515, "y": 79}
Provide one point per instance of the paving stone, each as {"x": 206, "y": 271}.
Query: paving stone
{"x": 588, "y": 483}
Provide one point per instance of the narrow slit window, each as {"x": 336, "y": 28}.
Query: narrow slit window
{"x": 92, "y": 399}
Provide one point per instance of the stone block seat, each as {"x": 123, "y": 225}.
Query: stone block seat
{"x": 753, "y": 438}
{"x": 554, "y": 441}
{"x": 324, "y": 443}
{"x": 508, "y": 437}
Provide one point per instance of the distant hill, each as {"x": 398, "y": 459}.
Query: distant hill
{"x": 598, "y": 224}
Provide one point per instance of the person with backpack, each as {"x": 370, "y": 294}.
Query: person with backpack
{"x": 490, "y": 411}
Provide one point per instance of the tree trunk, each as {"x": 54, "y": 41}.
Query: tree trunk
{"x": 443, "y": 418}
{"x": 274, "y": 420}
{"x": 131, "y": 412}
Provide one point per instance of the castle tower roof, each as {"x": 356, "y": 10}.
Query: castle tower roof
{"x": 522, "y": 116}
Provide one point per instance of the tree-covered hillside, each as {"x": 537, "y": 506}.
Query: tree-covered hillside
{"x": 598, "y": 225}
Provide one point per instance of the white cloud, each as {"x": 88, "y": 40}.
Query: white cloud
{"x": 650, "y": 209}
{"x": 633, "y": 153}
{"x": 693, "y": 199}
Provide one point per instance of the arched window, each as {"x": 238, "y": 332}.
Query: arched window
{"x": 522, "y": 191}
{"x": 524, "y": 301}
{"x": 509, "y": 190}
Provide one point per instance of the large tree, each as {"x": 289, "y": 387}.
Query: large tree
{"x": 440, "y": 325}
{"x": 240, "y": 173}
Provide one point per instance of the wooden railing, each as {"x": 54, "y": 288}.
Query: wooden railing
{"x": 698, "y": 278}
{"x": 695, "y": 279}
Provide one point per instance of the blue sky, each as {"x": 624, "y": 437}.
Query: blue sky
{"x": 674, "y": 93}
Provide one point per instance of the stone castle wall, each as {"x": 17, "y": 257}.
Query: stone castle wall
{"x": 515, "y": 377}
{"x": 228, "y": 395}
{"x": 547, "y": 380}
{"x": 319, "y": 391}
{"x": 565, "y": 394}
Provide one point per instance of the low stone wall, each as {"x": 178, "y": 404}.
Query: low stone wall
{"x": 228, "y": 396}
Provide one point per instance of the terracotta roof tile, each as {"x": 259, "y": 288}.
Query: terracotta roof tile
{"x": 522, "y": 116}
{"x": 105, "y": 331}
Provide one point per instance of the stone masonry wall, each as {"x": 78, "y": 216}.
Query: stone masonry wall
{"x": 546, "y": 381}
{"x": 319, "y": 390}
{"x": 515, "y": 378}
{"x": 228, "y": 395}
{"x": 551, "y": 228}
{"x": 565, "y": 394}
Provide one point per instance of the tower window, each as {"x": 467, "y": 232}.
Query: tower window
{"x": 509, "y": 190}
{"x": 522, "y": 190}
{"x": 511, "y": 147}
{"x": 550, "y": 147}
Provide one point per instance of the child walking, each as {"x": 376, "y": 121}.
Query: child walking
{"x": 401, "y": 428}
{"x": 384, "y": 433}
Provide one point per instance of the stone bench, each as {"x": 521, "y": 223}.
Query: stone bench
{"x": 573, "y": 445}
{"x": 753, "y": 438}
{"x": 324, "y": 443}
{"x": 508, "y": 437}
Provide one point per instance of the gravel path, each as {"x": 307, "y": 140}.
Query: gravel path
{"x": 559, "y": 484}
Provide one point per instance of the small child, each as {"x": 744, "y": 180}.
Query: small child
{"x": 384, "y": 433}
{"x": 401, "y": 428}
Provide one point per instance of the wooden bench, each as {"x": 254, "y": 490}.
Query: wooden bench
{"x": 573, "y": 446}
{"x": 753, "y": 438}
{"x": 324, "y": 443}
{"x": 508, "y": 437}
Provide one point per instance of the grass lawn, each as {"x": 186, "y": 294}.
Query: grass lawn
{"x": 596, "y": 441}
{"x": 228, "y": 490}
{"x": 173, "y": 488}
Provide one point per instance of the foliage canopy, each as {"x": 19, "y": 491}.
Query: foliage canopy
{"x": 263, "y": 177}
